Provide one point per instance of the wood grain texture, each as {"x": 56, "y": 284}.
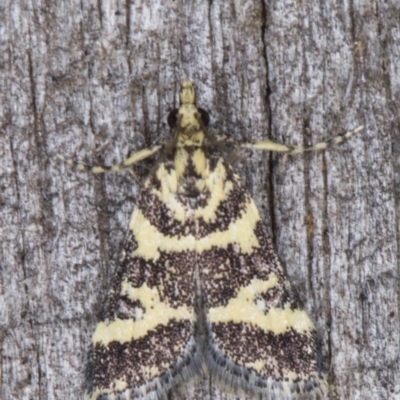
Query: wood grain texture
{"x": 96, "y": 80}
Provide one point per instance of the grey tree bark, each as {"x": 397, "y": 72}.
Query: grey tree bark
{"x": 95, "y": 79}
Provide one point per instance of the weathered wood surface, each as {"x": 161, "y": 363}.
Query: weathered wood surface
{"x": 95, "y": 80}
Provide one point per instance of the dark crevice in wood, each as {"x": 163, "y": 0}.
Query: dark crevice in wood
{"x": 271, "y": 162}
{"x": 128, "y": 27}
{"x": 326, "y": 245}
{"x": 100, "y": 9}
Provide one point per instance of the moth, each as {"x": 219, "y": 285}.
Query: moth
{"x": 199, "y": 289}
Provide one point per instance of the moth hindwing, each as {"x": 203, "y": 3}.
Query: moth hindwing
{"x": 199, "y": 289}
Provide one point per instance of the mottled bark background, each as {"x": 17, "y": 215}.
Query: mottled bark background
{"x": 95, "y": 80}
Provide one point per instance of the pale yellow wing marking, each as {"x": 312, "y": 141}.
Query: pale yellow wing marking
{"x": 200, "y": 163}
{"x": 156, "y": 312}
{"x": 120, "y": 385}
{"x": 169, "y": 184}
{"x": 116, "y": 385}
{"x": 244, "y": 308}
{"x": 167, "y": 194}
{"x": 269, "y": 145}
{"x": 219, "y": 189}
{"x": 180, "y": 162}
{"x": 151, "y": 241}
{"x": 257, "y": 365}
{"x": 215, "y": 182}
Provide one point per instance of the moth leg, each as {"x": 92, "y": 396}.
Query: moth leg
{"x": 135, "y": 177}
{"x": 269, "y": 145}
{"x": 126, "y": 164}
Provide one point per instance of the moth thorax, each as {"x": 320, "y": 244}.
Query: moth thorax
{"x": 189, "y": 117}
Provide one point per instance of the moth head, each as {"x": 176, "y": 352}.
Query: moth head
{"x": 187, "y": 94}
{"x": 187, "y": 102}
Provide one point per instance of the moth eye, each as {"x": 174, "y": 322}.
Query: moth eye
{"x": 205, "y": 117}
{"x": 173, "y": 118}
